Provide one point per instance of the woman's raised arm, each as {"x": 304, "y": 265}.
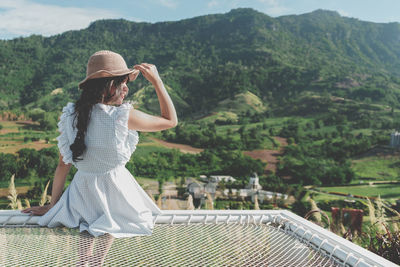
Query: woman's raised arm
{"x": 144, "y": 122}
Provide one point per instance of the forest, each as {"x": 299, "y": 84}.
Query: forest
{"x": 211, "y": 58}
{"x": 319, "y": 152}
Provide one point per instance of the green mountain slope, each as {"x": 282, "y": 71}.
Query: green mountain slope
{"x": 212, "y": 58}
{"x": 146, "y": 99}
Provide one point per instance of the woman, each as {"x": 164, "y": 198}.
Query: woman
{"x": 98, "y": 136}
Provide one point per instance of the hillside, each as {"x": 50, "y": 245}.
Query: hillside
{"x": 146, "y": 99}
{"x": 209, "y": 59}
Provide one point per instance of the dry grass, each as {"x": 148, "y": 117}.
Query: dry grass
{"x": 45, "y": 197}
{"x": 15, "y": 203}
{"x": 169, "y": 203}
{"x": 189, "y": 203}
{"x": 371, "y": 210}
{"x": 159, "y": 201}
{"x": 27, "y": 203}
{"x": 319, "y": 216}
{"x": 314, "y": 207}
{"x": 209, "y": 202}
{"x": 381, "y": 237}
{"x": 377, "y": 216}
{"x": 12, "y": 194}
{"x": 384, "y": 234}
{"x": 19, "y": 204}
{"x": 256, "y": 205}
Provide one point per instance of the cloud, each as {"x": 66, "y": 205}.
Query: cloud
{"x": 343, "y": 13}
{"x": 269, "y": 2}
{"x": 274, "y": 8}
{"x": 212, "y": 4}
{"x": 23, "y": 18}
{"x": 168, "y": 3}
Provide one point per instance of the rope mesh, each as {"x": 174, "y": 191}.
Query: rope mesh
{"x": 195, "y": 244}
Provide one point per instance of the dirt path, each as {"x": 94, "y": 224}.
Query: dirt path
{"x": 181, "y": 147}
{"x": 13, "y": 147}
{"x": 269, "y": 156}
{"x": 265, "y": 155}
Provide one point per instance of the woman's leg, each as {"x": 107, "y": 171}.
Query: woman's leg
{"x": 103, "y": 245}
{"x": 85, "y": 250}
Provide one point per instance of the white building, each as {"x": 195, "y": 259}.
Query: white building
{"x": 196, "y": 189}
{"x": 217, "y": 178}
{"x": 395, "y": 139}
{"x": 199, "y": 189}
{"x": 233, "y": 190}
{"x": 267, "y": 195}
{"x": 254, "y": 183}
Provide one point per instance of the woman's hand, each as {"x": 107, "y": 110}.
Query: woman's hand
{"x": 149, "y": 71}
{"x": 37, "y": 210}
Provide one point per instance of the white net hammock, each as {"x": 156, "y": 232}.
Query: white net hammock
{"x": 185, "y": 238}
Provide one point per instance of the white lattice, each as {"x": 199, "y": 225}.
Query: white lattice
{"x": 185, "y": 238}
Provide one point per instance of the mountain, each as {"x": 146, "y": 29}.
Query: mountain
{"x": 208, "y": 59}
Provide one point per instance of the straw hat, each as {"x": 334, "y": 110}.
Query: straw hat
{"x": 106, "y": 63}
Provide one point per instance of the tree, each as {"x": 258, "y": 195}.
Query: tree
{"x": 48, "y": 122}
{"x": 37, "y": 114}
{"x": 8, "y": 163}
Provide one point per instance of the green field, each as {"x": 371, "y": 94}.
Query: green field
{"x": 276, "y": 123}
{"x": 385, "y": 191}
{"x": 148, "y": 148}
{"x": 380, "y": 168}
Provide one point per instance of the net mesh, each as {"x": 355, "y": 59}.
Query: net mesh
{"x": 195, "y": 244}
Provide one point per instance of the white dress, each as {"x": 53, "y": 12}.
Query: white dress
{"x": 103, "y": 196}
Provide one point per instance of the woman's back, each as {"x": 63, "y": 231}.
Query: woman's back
{"x": 103, "y": 196}
{"x": 109, "y": 142}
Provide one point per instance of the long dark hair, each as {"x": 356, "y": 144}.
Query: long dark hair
{"x": 93, "y": 91}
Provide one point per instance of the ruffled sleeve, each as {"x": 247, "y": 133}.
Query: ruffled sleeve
{"x": 66, "y": 130}
{"x": 126, "y": 138}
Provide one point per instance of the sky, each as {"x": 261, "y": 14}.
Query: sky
{"x": 51, "y": 17}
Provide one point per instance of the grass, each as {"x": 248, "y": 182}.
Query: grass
{"x": 363, "y": 131}
{"x": 322, "y": 197}
{"x": 385, "y": 191}
{"x": 276, "y": 123}
{"x": 380, "y": 168}
{"x": 221, "y": 115}
{"x": 143, "y": 137}
{"x": 148, "y": 148}
{"x": 230, "y": 108}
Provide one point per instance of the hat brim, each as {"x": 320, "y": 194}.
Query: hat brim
{"x": 133, "y": 73}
